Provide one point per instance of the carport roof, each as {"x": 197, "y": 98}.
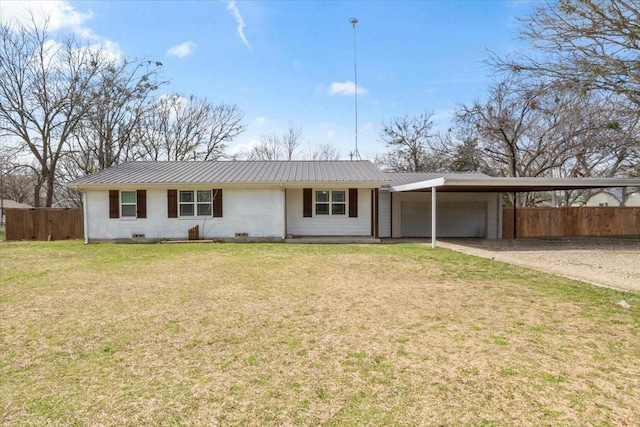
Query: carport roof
{"x": 488, "y": 184}
{"x": 402, "y": 178}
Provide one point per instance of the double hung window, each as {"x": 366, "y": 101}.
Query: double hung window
{"x": 331, "y": 202}
{"x": 128, "y": 204}
{"x": 195, "y": 203}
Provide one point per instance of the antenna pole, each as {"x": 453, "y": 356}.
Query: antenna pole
{"x": 353, "y": 22}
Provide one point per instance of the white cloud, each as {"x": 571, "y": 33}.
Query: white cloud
{"x": 56, "y": 15}
{"x": 109, "y": 48}
{"x": 261, "y": 121}
{"x": 59, "y": 14}
{"x": 182, "y": 50}
{"x": 346, "y": 88}
{"x": 242, "y": 149}
{"x": 235, "y": 12}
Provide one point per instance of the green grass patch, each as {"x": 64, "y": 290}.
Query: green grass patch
{"x": 275, "y": 334}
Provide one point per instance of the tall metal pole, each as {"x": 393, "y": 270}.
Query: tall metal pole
{"x": 353, "y": 22}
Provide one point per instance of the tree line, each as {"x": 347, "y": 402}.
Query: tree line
{"x": 68, "y": 109}
{"x": 567, "y": 106}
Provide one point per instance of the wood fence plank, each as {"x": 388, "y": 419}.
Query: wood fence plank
{"x": 570, "y": 222}
{"x": 42, "y": 223}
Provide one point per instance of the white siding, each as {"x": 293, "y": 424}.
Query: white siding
{"x": 384, "y": 213}
{"x": 633, "y": 200}
{"x": 603, "y": 199}
{"x": 258, "y": 212}
{"x": 328, "y": 225}
{"x": 493, "y": 220}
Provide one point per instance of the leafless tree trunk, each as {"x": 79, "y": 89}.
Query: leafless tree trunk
{"x": 44, "y": 85}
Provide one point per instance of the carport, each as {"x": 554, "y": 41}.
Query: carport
{"x": 484, "y": 184}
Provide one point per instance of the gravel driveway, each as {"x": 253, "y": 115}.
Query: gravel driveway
{"x": 610, "y": 262}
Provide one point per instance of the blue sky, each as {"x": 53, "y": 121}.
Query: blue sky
{"x": 293, "y": 61}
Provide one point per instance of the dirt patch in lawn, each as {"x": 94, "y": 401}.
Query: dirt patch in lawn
{"x": 610, "y": 262}
{"x": 311, "y": 335}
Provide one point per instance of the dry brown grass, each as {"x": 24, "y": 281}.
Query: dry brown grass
{"x": 228, "y": 334}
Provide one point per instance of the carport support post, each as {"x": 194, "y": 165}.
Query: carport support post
{"x": 433, "y": 217}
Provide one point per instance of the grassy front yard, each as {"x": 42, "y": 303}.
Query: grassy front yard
{"x": 341, "y": 335}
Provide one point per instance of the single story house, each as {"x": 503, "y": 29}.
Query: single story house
{"x": 260, "y": 200}
{"x": 633, "y": 199}
{"x": 602, "y": 198}
{"x": 277, "y": 200}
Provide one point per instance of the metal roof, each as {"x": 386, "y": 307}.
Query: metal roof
{"x": 402, "y": 178}
{"x": 517, "y": 184}
{"x": 12, "y": 204}
{"x": 339, "y": 171}
{"x": 236, "y": 172}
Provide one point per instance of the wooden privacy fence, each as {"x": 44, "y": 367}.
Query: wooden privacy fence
{"x": 44, "y": 224}
{"x": 570, "y": 222}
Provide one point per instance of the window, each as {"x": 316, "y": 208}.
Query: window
{"x": 128, "y": 205}
{"x": 195, "y": 203}
{"x": 331, "y": 202}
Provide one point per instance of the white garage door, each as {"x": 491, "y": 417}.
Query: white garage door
{"x": 454, "y": 219}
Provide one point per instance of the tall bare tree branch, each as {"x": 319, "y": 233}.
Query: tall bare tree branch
{"x": 43, "y": 89}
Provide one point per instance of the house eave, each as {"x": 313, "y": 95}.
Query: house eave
{"x": 253, "y": 185}
{"x": 518, "y": 184}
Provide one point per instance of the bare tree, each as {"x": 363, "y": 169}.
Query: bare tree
{"x": 42, "y": 95}
{"x": 613, "y": 148}
{"x": 225, "y": 124}
{"x": 291, "y": 140}
{"x": 550, "y": 129}
{"x": 528, "y": 131}
{"x": 589, "y": 44}
{"x": 273, "y": 146}
{"x": 179, "y": 128}
{"x": 15, "y": 183}
{"x": 268, "y": 148}
{"x": 409, "y": 139}
{"x": 323, "y": 152}
{"x": 107, "y": 134}
{"x": 467, "y": 157}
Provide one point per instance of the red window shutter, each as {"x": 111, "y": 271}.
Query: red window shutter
{"x": 114, "y": 204}
{"x": 141, "y": 203}
{"x": 307, "y": 202}
{"x": 217, "y": 203}
{"x": 172, "y": 203}
{"x": 353, "y": 203}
